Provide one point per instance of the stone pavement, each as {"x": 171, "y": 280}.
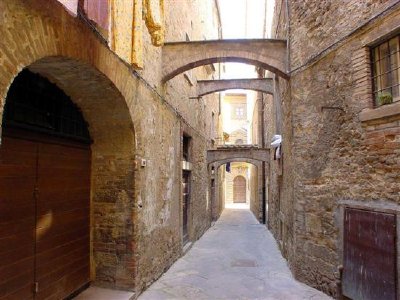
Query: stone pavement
{"x": 235, "y": 259}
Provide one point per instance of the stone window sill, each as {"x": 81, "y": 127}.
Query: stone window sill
{"x": 384, "y": 111}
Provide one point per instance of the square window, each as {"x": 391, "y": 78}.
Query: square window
{"x": 239, "y": 112}
{"x": 385, "y": 59}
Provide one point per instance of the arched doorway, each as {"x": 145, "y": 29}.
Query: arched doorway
{"x": 113, "y": 149}
{"x": 76, "y": 60}
{"x": 239, "y": 189}
{"x": 45, "y": 164}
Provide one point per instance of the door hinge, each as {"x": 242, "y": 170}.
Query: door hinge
{"x": 36, "y": 287}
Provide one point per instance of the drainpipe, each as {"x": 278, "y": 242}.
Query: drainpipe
{"x": 264, "y": 193}
{"x": 288, "y": 35}
{"x": 264, "y": 190}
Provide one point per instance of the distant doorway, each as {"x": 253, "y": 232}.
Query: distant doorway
{"x": 186, "y": 203}
{"x": 239, "y": 189}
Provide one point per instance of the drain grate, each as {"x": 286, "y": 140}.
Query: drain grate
{"x": 244, "y": 263}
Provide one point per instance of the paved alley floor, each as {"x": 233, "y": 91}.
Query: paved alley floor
{"x": 235, "y": 259}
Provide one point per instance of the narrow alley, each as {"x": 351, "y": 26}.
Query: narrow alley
{"x": 199, "y": 149}
{"x": 237, "y": 258}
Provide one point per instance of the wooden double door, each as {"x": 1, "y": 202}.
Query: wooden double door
{"x": 44, "y": 216}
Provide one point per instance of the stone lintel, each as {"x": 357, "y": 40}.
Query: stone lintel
{"x": 228, "y": 154}
{"x": 264, "y": 85}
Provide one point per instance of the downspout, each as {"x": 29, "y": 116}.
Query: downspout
{"x": 264, "y": 175}
{"x": 288, "y": 36}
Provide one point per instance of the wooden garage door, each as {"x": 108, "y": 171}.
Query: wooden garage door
{"x": 369, "y": 262}
{"x": 17, "y": 218}
{"x": 46, "y": 204}
{"x": 239, "y": 189}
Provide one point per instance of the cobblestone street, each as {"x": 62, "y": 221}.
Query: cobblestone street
{"x": 236, "y": 259}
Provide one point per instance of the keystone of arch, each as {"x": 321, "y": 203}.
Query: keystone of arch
{"x": 268, "y": 54}
{"x": 264, "y": 85}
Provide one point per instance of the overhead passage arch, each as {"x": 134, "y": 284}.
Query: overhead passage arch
{"x": 256, "y": 206}
{"x": 233, "y": 153}
{"x": 206, "y": 87}
{"x": 268, "y": 54}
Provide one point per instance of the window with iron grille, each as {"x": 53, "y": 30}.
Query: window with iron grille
{"x": 386, "y": 71}
{"x": 35, "y": 104}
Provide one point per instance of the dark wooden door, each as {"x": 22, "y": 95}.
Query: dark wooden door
{"x": 369, "y": 262}
{"x": 185, "y": 205}
{"x": 239, "y": 189}
{"x": 63, "y": 208}
{"x": 18, "y": 159}
{"x": 44, "y": 210}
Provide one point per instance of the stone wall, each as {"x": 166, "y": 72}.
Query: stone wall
{"x": 317, "y": 25}
{"x": 161, "y": 241}
{"x": 133, "y": 119}
{"x": 254, "y": 191}
{"x": 337, "y": 148}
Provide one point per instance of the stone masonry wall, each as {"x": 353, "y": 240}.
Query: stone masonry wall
{"x": 339, "y": 154}
{"x": 161, "y": 217}
{"x": 133, "y": 118}
{"x": 316, "y": 25}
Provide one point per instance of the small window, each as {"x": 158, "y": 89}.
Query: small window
{"x": 185, "y": 147}
{"x": 239, "y": 112}
{"x": 386, "y": 72}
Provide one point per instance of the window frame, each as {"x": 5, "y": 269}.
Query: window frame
{"x": 378, "y": 74}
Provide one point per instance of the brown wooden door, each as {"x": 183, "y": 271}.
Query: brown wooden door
{"x": 239, "y": 189}
{"x": 62, "y": 249}
{"x": 49, "y": 207}
{"x": 17, "y": 218}
{"x": 369, "y": 262}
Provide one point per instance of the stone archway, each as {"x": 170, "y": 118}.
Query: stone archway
{"x": 269, "y": 54}
{"x": 113, "y": 155}
{"x": 205, "y": 87}
{"x": 255, "y": 206}
{"x": 72, "y": 57}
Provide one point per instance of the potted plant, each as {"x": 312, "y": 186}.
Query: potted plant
{"x": 385, "y": 98}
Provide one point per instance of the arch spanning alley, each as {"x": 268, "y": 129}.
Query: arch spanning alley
{"x": 237, "y": 153}
{"x": 205, "y": 87}
{"x": 268, "y": 54}
{"x": 260, "y": 201}
{"x": 220, "y": 163}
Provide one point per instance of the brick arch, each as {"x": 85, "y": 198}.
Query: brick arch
{"x": 52, "y": 43}
{"x": 206, "y": 87}
{"x": 179, "y": 57}
{"x": 253, "y": 162}
{"x": 237, "y": 153}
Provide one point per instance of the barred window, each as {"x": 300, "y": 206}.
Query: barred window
{"x": 386, "y": 71}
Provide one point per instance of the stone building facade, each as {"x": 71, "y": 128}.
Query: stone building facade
{"x": 136, "y": 125}
{"x": 340, "y": 150}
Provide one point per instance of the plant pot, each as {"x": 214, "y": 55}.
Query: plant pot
{"x": 385, "y": 98}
